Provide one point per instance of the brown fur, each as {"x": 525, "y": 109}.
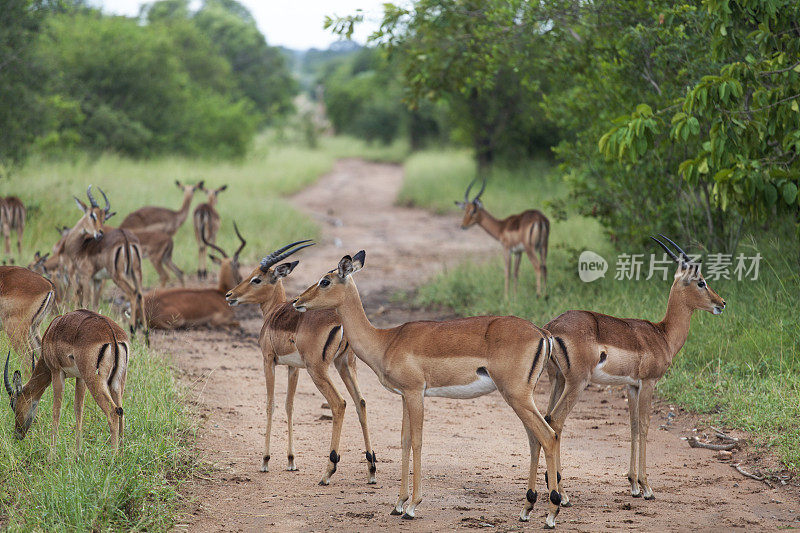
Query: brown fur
{"x": 206, "y": 221}
{"x": 25, "y": 299}
{"x": 12, "y": 217}
{"x": 151, "y": 218}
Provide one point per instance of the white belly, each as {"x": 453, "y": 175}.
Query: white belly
{"x": 479, "y": 387}
{"x": 72, "y": 371}
{"x": 519, "y": 248}
{"x": 603, "y": 378}
{"x": 292, "y": 359}
{"x": 101, "y": 274}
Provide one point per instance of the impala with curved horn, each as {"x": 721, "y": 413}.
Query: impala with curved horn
{"x": 95, "y": 252}
{"x": 83, "y": 345}
{"x": 463, "y": 358}
{"x": 526, "y": 232}
{"x": 312, "y": 341}
{"x": 184, "y": 307}
{"x": 596, "y": 348}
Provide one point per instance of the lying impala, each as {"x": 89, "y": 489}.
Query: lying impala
{"x": 206, "y": 226}
{"x": 180, "y": 308}
{"x": 597, "y": 348}
{"x": 152, "y": 218}
{"x": 12, "y": 217}
{"x": 84, "y": 345}
{"x": 25, "y": 299}
{"x": 526, "y": 232}
{"x": 312, "y": 341}
{"x": 463, "y": 358}
{"x": 94, "y": 252}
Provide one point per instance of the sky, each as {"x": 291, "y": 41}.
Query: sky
{"x": 294, "y": 24}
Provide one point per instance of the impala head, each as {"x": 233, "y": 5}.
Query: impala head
{"x": 38, "y": 264}
{"x": 329, "y": 291}
{"x": 471, "y": 207}
{"x": 212, "y": 193}
{"x": 229, "y": 266}
{"x": 189, "y": 189}
{"x": 262, "y": 282}
{"x": 94, "y": 216}
{"x": 690, "y": 285}
{"x": 24, "y": 408}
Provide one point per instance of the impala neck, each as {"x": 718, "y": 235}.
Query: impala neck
{"x": 676, "y": 322}
{"x": 212, "y": 200}
{"x": 368, "y": 342}
{"x": 490, "y": 224}
{"x": 34, "y": 389}
{"x": 226, "y": 279}
{"x": 277, "y": 298}
{"x": 183, "y": 212}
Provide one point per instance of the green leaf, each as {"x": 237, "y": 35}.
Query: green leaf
{"x": 789, "y": 192}
{"x": 770, "y": 194}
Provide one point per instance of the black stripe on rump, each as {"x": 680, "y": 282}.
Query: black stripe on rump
{"x": 563, "y": 346}
{"x": 536, "y": 357}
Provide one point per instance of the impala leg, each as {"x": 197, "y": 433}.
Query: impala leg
{"x": 517, "y": 261}
{"x": 507, "y": 259}
{"x": 58, "y": 395}
{"x": 291, "y": 389}
{"x": 337, "y": 404}
{"x": 269, "y": 376}
{"x": 405, "y": 442}
{"x": 556, "y": 418}
{"x": 175, "y": 269}
{"x": 201, "y": 262}
{"x": 645, "y": 398}
{"x": 416, "y": 416}
{"x": 633, "y": 411}
{"x": 116, "y": 396}
{"x": 113, "y": 412}
{"x": 531, "y": 495}
{"x": 346, "y": 366}
{"x": 80, "y": 396}
{"x": 163, "y": 277}
{"x": 537, "y": 267}
{"x": 19, "y": 240}
{"x": 7, "y": 239}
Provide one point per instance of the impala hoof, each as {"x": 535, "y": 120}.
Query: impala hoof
{"x": 324, "y": 482}
{"x": 407, "y": 516}
{"x": 395, "y": 512}
{"x": 650, "y": 496}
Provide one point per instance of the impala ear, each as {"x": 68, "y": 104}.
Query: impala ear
{"x": 283, "y": 270}
{"x": 350, "y": 265}
{"x": 110, "y": 215}
{"x": 178, "y": 183}
{"x": 214, "y": 259}
{"x": 222, "y": 188}
{"x": 81, "y": 205}
{"x": 460, "y": 205}
{"x": 17, "y": 383}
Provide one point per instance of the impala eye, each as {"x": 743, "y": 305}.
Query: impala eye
{"x": 701, "y": 284}
{"x": 324, "y": 282}
{"x": 255, "y": 281}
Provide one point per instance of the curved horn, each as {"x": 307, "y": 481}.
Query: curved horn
{"x": 669, "y": 252}
{"x": 683, "y": 254}
{"x": 483, "y": 188}
{"x": 214, "y": 246}
{"x": 108, "y": 204}
{"x": 241, "y": 247}
{"x": 282, "y": 253}
{"x": 5, "y": 376}
{"x": 469, "y": 187}
{"x": 91, "y": 198}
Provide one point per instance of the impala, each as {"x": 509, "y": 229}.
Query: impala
{"x": 206, "y": 225}
{"x": 94, "y": 252}
{"x": 312, "y": 341}
{"x": 12, "y": 217}
{"x": 83, "y": 345}
{"x": 50, "y": 266}
{"x": 179, "y": 308}
{"x": 526, "y": 232}
{"x": 597, "y": 348}
{"x": 152, "y": 218}
{"x": 463, "y": 358}
{"x": 25, "y": 299}
{"x": 158, "y": 246}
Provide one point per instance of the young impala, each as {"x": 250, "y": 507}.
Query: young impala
{"x": 25, "y": 299}
{"x": 153, "y": 218}
{"x": 206, "y": 225}
{"x": 463, "y": 358}
{"x": 526, "y": 232}
{"x": 597, "y": 348}
{"x": 182, "y": 307}
{"x": 12, "y": 217}
{"x": 84, "y": 345}
{"x": 312, "y": 341}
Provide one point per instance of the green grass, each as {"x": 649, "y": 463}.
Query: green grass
{"x": 136, "y": 489}
{"x": 742, "y": 368}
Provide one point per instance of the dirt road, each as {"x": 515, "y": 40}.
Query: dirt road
{"x": 475, "y": 451}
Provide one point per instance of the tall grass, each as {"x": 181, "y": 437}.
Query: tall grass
{"x": 743, "y": 367}
{"x": 136, "y": 489}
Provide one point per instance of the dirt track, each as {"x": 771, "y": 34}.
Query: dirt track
{"x": 475, "y": 452}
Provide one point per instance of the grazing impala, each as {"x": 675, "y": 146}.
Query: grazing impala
{"x": 312, "y": 341}
{"x": 463, "y": 358}
{"x": 526, "y": 232}
{"x": 12, "y": 217}
{"x": 151, "y": 218}
{"x": 597, "y": 348}
{"x": 84, "y": 345}
{"x": 94, "y": 252}
{"x": 25, "y": 299}
{"x": 206, "y": 225}
{"x": 180, "y": 308}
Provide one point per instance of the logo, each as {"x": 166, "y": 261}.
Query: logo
{"x": 591, "y": 266}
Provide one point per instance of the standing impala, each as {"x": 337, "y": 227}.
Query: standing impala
{"x": 25, "y": 299}
{"x": 526, "y": 232}
{"x": 206, "y": 225}
{"x": 312, "y": 341}
{"x": 597, "y": 348}
{"x": 84, "y": 345}
{"x": 152, "y": 218}
{"x": 12, "y": 217}
{"x": 463, "y": 358}
{"x": 181, "y": 307}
